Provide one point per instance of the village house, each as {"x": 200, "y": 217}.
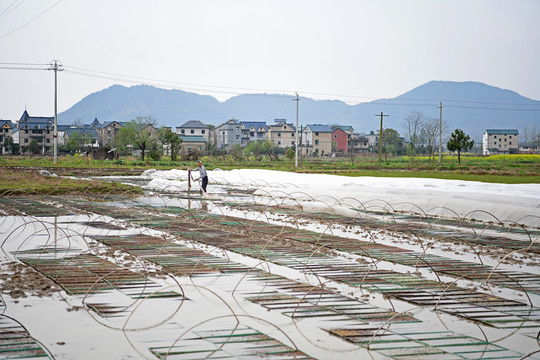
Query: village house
{"x": 373, "y": 140}
{"x": 346, "y": 128}
{"x": 36, "y": 128}
{"x": 281, "y": 133}
{"x": 6, "y": 134}
{"x": 194, "y": 128}
{"x": 228, "y": 134}
{"x": 89, "y": 136}
{"x": 253, "y": 131}
{"x": 359, "y": 143}
{"x": 500, "y": 141}
{"x": 340, "y": 140}
{"x": 529, "y": 147}
{"x": 107, "y": 132}
{"x": 192, "y": 144}
{"x": 317, "y": 140}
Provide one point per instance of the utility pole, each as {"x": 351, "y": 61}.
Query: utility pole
{"x": 380, "y": 139}
{"x": 297, "y": 99}
{"x": 440, "y": 134}
{"x": 300, "y": 143}
{"x": 55, "y": 67}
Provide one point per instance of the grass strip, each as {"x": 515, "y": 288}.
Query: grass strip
{"x": 17, "y": 182}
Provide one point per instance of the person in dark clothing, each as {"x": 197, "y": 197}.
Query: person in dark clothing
{"x": 203, "y": 175}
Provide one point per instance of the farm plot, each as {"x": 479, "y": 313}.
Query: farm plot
{"x": 249, "y": 271}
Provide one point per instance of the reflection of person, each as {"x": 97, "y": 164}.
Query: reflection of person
{"x": 203, "y": 176}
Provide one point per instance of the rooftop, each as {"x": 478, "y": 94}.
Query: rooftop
{"x": 502, "y": 132}
{"x": 192, "y": 138}
{"x": 319, "y": 128}
{"x": 194, "y": 124}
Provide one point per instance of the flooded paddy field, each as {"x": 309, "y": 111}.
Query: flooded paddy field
{"x": 259, "y": 268}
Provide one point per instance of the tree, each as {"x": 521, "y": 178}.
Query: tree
{"x": 140, "y": 132}
{"x": 413, "y": 124}
{"x": 33, "y": 147}
{"x": 172, "y": 139}
{"x": 259, "y": 148}
{"x": 391, "y": 141}
{"x": 78, "y": 141}
{"x": 431, "y": 130}
{"x": 237, "y": 152}
{"x": 530, "y": 134}
{"x": 211, "y": 148}
{"x": 290, "y": 153}
{"x": 8, "y": 145}
{"x": 78, "y": 123}
{"x": 15, "y": 148}
{"x": 459, "y": 142}
{"x": 74, "y": 142}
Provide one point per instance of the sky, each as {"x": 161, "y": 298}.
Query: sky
{"x": 350, "y": 50}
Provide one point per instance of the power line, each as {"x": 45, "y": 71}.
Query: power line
{"x": 21, "y": 68}
{"x": 238, "y": 91}
{"x": 171, "y": 82}
{"x": 196, "y": 87}
{"x": 491, "y": 103}
{"x": 204, "y": 87}
{"x": 2, "y": 13}
{"x": 395, "y": 104}
{"x": 6, "y": 12}
{"x": 490, "y": 108}
{"x": 19, "y": 63}
{"x": 28, "y": 22}
{"x": 212, "y": 88}
{"x": 157, "y": 83}
{"x": 242, "y": 90}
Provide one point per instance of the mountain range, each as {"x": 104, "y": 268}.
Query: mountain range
{"x": 470, "y": 106}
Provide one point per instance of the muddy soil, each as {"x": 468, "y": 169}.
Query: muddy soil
{"x": 18, "y": 280}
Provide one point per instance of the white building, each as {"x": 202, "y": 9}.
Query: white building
{"x": 500, "y": 141}
{"x": 194, "y": 128}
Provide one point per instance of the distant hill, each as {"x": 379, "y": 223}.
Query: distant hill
{"x": 471, "y": 106}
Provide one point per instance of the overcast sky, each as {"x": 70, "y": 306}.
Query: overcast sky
{"x": 352, "y": 50}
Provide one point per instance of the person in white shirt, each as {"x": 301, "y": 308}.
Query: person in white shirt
{"x": 203, "y": 175}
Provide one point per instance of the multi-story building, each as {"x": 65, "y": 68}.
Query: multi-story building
{"x": 88, "y": 136}
{"x": 317, "y": 140}
{"x": 36, "y": 128}
{"x": 193, "y": 144}
{"x": 6, "y": 134}
{"x": 345, "y": 140}
{"x": 253, "y": 131}
{"x": 373, "y": 140}
{"x": 347, "y": 128}
{"x": 107, "y": 132}
{"x": 500, "y": 141}
{"x": 340, "y": 140}
{"x": 228, "y": 134}
{"x": 359, "y": 143}
{"x": 281, "y": 133}
{"x": 194, "y": 128}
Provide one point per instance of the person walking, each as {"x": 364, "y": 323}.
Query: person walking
{"x": 203, "y": 175}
